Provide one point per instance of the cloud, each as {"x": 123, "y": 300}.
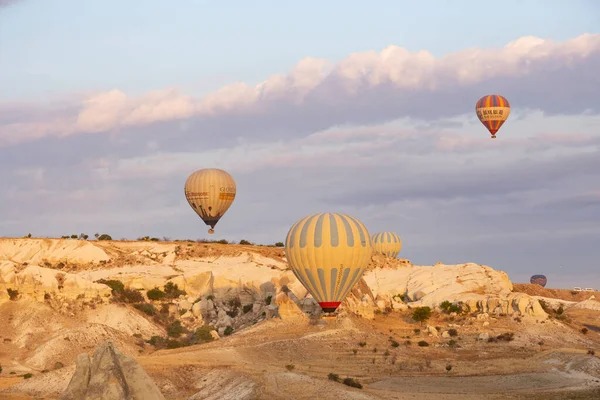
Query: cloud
{"x": 5, "y": 3}
{"x": 365, "y": 88}
{"x": 388, "y": 137}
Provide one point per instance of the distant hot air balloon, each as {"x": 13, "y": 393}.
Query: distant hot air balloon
{"x": 387, "y": 243}
{"x": 210, "y": 192}
{"x": 492, "y": 110}
{"x": 539, "y": 279}
{"x": 328, "y": 253}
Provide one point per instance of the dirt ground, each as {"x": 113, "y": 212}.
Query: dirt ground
{"x": 562, "y": 294}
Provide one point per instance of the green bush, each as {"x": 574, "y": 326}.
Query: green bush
{"x": 155, "y": 294}
{"x": 247, "y": 308}
{"x": 421, "y": 314}
{"x": 202, "y": 335}
{"x": 27, "y": 375}
{"x": 104, "y": 236}
{"x": 445, "y": 305}
{"x": 452, "y": 332}
{"x": 333, "y": 377}
{"x": 279, "y": 244}
{"x": 228, "y": 331}
{"x": 394, "y": 343}
{"x": 423, "y": 343}
{"x": 131, "y": 296}
{"x": 172, "y": 291}
{"x": 244, "y": 241}
{"x": 146, "y": 308}
{"x": 175, "y": 329}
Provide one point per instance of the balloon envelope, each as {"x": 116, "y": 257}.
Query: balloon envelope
{"x": 387, "y": 243}
{"x": 328, "y": 253}
{"x": 210, "y": 192}
{"x": 492, "y": 110}
{"x": 539, "y": 279}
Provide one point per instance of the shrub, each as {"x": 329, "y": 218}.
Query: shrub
{"x": 423, "y": 343}
{"x": 172, "y": 291}
{"x": 448, "y": 368}
{"x": 175, "y": 329}
{"x": 222, "y": 241}
{"x": 454, "y": 309}
{"x": 146, "y": 308}
{"x": 591, "y": 352}
{"x": 268, "y": 300}
{"x": 352, "y": 383}
{"x": 289, "y": 367}
{"x": 451, "y": 342}
{"x": 228, "y": 331}
{"x": 584, "y": 331}
{"x": 235, "y": 303}
{"x": 279, "y": 244}
{"x": 452, "y": 332}
{"x": 58, "y": 365}
{"x": 115, "y": 285}
{"x": 104, "y": 236}
{"x": 131, "y": 296}
{"x": 354, "y": 351}
{"x": 27, "y": 375}
{"x": 157, "y": 341}
{"x": 333, "y": 377}
{"x": 244, "y": 241}
{"x": 362, "y": 344}
{"x": 0, "y": 369}
{"x": 445, "y": 304}
{"x": 13, "y": 294}
{"x": 417, "y": 331}
{"x": 247, "y": 308}
{"x": 174, "y": 344}
{"x": 202, "y": 335}
{"x": 394, "y": 343}
{"x": 155, "y": 294}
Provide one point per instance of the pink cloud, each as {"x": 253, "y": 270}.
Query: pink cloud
{"x": 392, "y": 83}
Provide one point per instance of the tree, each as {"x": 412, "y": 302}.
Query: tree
{"x": 96, "y": 235}
{"x": 279, "y": 244}
{"x": 421, "y": 314}
{"x": 104, "y": 236}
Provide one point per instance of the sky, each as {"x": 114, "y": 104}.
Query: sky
{"x": 107, "y": 107}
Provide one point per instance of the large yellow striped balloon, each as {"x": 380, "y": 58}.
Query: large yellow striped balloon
{"x": 328, "y": 253}
{"x": 387, "y": 243}
{"x": 210, "y": 192}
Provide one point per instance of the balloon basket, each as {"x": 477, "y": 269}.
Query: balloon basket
{"x": 493, "y": 136}
{"x": 211, "y": 231}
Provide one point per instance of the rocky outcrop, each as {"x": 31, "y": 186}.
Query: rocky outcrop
{"x": 36, "y": 282}
{"x": 110, "y": 375}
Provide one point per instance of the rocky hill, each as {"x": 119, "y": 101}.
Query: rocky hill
{"x": 62, "y": 297}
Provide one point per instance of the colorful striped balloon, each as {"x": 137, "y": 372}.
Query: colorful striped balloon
{"x": 328, "y": 253}
{"x": 492, "y": 110}
{"x": 387, "y": 243}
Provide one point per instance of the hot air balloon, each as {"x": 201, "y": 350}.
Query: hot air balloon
{"x": 387, "y": 243}
{"x": 210, "y": 192}
{"x": 328, "y": 253}
{"x": 539, "y": 279}
{"x": 492, "y": 110}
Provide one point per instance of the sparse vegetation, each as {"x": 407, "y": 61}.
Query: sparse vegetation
{"x": 146, "y": 308}
{"x": 13, "y": 294}
{"x": 352, "y": 383}
{"x": 448, "y": 368}
{"x": 393, "y": 343}
{"x": 172, "y": 291}
{"x": 27, "y": 375}
{"x": 228, "y": 331}
{"x": 504, "y": 337}
{"x": 362, "y": 344}
{"x": 279, "y": 244}
{"x": 247, "y": 308}
{"x": 175, "y": 329}
{"x": 584, "y": 331}
{"x": 423, "y": 343}
{"x": 333, "y": 377}
{"x": 244, "y": 241}
{"x": 591, "y": 352}
{"x": 155, "y": 294}
{"x": 452, "y": 332}
{"x": 290, "y": 367}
